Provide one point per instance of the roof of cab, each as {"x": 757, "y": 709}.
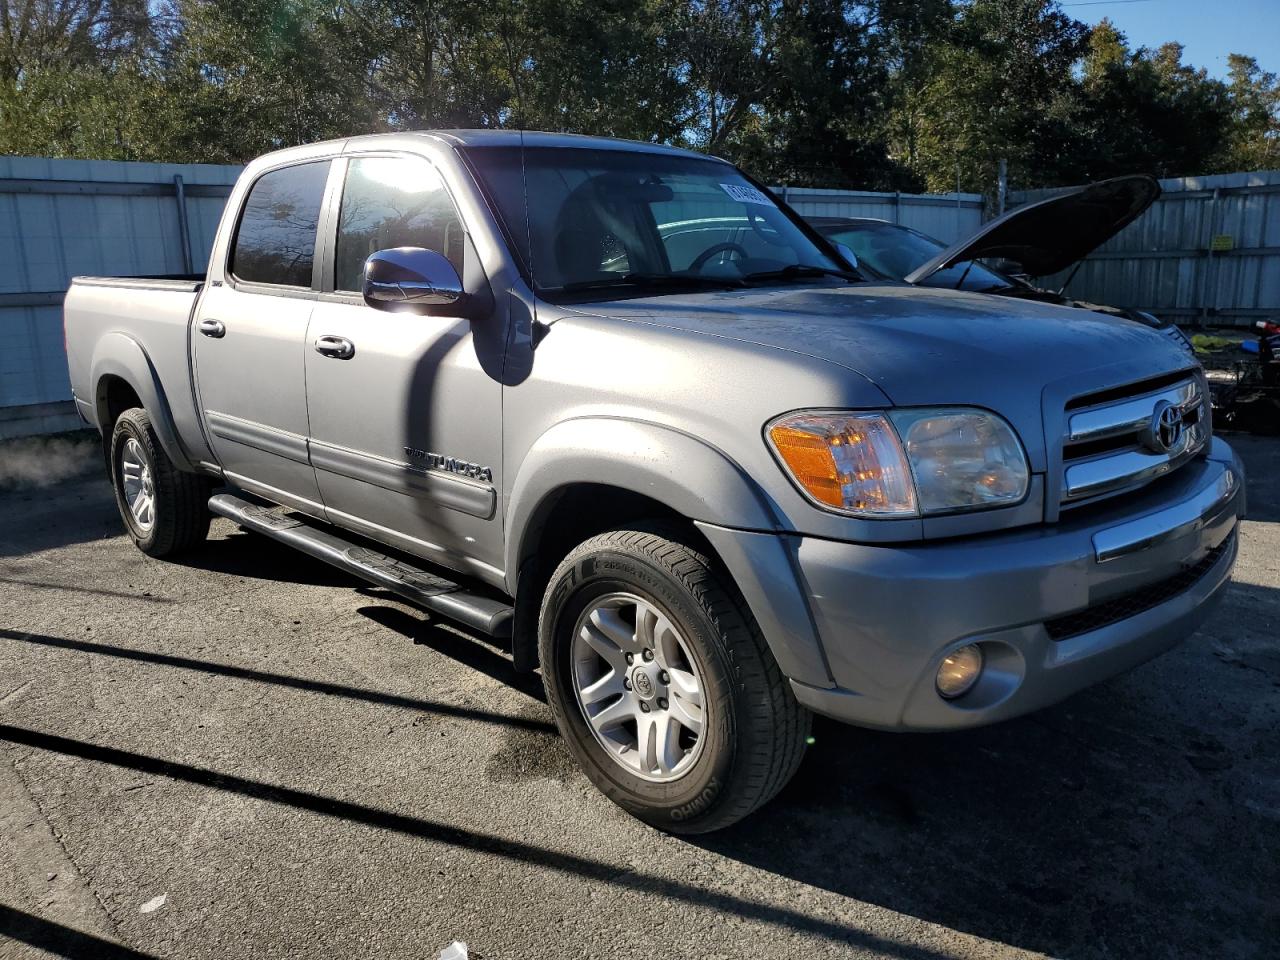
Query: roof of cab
{"x": 535, "y": 138}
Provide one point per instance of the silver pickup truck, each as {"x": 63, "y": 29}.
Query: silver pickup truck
{"x": 709, "y": 481}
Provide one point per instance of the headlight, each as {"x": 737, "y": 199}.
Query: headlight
{"x": 962, "y": 459}
{"x": 903, "y": 463}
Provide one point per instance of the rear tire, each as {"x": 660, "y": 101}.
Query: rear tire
{"x": 750, "y": 731}
{"x": 165, "y": 510}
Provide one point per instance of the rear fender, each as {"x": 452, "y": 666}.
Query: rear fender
{"x": 119, "y": 355}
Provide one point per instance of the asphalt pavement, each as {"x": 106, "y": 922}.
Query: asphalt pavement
{"x": 248, "y": 754}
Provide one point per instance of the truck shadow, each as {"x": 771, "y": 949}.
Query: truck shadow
{"x": 1136, "y": 819}
{"x": 1261, "y": 456}
{"x": 74, "y": 510}
{"x": 1140, "y": 813}
{"x": 470, "y": 649}
{"x": 1140, "y": 818}
{"x": 244, "y": 554}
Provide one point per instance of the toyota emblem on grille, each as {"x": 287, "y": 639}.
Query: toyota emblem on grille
{"x": 1166, "y": 427}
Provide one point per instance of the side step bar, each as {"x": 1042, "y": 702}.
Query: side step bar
{"x": 477, "y": 611}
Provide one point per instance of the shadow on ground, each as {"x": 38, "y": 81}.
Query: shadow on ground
{"x": 1261, "y": 456}
{"x": 1141, "y": 818}
{"x": 1120, "y": 823}
{"x": 76, "y": 510}
{"x": 252, "y": 555}
{"x": 60, "y": 940}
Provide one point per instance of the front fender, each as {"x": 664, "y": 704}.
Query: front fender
{"x": 695, "y": 480}
{"x": 119, "y": 355}
{"x": 684, "y": 473}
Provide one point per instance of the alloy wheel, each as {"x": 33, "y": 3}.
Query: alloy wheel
{"x": 638, "y": 686}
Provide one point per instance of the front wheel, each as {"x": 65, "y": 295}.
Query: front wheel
{"x": 165, "y": 510}
{"x": 661, "y": 683}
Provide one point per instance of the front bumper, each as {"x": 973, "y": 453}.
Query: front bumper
{"x": 1113, "y": 586}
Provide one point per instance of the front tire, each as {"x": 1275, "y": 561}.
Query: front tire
{"x": 165, "y": 510}
{"x": 661, "y": 683}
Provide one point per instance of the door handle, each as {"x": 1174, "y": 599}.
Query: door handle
{"x": 213, "y": 328}
{"x": 339, "y": 348}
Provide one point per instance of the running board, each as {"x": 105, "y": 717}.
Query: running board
{"x": 477, "y": 611}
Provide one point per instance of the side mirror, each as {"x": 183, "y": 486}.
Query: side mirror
{"x": 847, "y": 253}
{"x": 406, "y": 277}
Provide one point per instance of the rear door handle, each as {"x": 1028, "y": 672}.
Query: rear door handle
{"x": 339, "y": 348}
{"x": 213, "y": 328}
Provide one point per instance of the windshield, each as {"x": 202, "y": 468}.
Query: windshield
{"x": 599, "y": 219}
{"x": 893, "y": 252}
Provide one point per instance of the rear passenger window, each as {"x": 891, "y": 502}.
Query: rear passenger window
{"x": 394, "y": 202}
{"x": 276, "y": 241}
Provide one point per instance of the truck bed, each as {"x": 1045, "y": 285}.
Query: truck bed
{"x": 141, "y": 324}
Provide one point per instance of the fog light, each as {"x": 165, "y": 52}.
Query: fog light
{"x": 959, "y": 671}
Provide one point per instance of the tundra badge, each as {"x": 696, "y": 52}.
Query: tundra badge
{"x": 438, "y": 461}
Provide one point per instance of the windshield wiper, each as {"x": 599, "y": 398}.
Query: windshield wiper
{"x": 657, "y": 280}
{"x": 800, "y": 271}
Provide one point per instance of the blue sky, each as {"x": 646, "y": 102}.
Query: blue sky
{"x": 1208, "y": 29}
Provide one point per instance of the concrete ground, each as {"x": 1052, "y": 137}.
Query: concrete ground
{"x": 246, "y": 754}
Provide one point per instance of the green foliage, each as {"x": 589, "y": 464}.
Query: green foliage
{"x": 816, "y": 117}
{"x": 120, "y": 113}
{"x": 1255, "y": 101}
{"x": 1145, "y": 110}
{"x": 996, "y": 85}
{"x": 874, "y": 94}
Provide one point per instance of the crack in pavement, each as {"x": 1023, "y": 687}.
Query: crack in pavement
{"x": 13, "y": 694}
{"x": 58, "y": 888}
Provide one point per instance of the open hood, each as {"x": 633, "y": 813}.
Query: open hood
{"x": 1050, "y": 235}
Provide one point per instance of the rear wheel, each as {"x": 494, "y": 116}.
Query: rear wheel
{"x": 662, "y": 684}
{"x": 165, "y": 510}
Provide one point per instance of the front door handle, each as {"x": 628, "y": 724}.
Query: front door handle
{"x": 213, "y": 328}
{"x": 339, "y": 348}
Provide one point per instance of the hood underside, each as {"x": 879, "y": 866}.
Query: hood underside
{"x": 1050, "y": 235}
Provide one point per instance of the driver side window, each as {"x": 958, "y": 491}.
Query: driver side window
{"x": 393, "y": 202}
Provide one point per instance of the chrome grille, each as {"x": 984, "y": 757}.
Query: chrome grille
{"x": 1116, "y": 440}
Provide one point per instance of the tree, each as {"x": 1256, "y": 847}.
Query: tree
{"x": 888, "y": 94}
{"x": 1255, "y": 100}
{"x": 908, "y": 32}
{"x": 118, "y": 114}
{"x": 78, "y": 78}
{"x": 40, "y": 35}
{"x": 817, "y": 115}
{"x": 605, "y": 67}
{"x": 265, "y": 74}
{"x": 727, "y": 55}
{"x": 1146, "y": 111}
{"x": 998, "y": 85}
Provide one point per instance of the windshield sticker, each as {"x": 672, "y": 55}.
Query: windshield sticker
{"x": 745, "y": 194}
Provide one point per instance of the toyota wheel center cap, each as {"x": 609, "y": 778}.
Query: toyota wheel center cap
{"x": 644, "y": 680}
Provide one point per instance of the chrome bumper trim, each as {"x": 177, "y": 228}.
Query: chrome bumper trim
{"x": 1167, "y": 524}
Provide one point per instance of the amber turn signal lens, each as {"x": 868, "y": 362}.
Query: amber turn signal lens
{"x": 851, "y": 462}
{"x": 811, "y": 463}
